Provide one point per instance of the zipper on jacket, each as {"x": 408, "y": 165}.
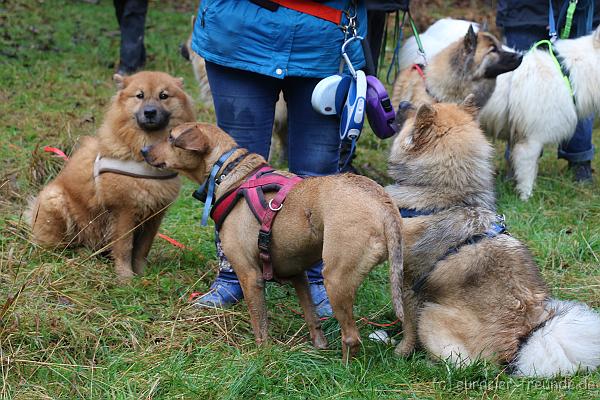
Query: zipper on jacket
{"x": 202, "y": 17}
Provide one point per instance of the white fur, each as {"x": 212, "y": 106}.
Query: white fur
{"x": 436, "y": 38}
{"x": 532, "y": 105}
{"x": 568, "y": 342}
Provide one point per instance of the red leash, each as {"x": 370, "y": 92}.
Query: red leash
{"x": 56, "y": 151}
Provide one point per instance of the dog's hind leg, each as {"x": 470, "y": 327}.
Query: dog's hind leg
{"x": 253, "y": 287}
{"x": 524, "y": 159}
{"x": 48, "y": 218}
{"x": 409, "y": 323}
{"x": 442, "y": 331}
{"x": 142, "y": 241}
{"x": 317, "y": 336}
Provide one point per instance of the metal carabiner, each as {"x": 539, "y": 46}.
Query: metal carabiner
{"x": 345, "y": 56}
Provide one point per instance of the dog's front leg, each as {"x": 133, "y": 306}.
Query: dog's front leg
{"x": 253, "y": 287}
{"x": 409, "y": 323}
{"x": 317, "y": 336}
{"x": 123, "y": 243}
{"x": 142, "y": 241}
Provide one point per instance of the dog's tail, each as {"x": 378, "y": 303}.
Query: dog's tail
{"x": 393, "y": 234}
{"x": 568, "y": 341}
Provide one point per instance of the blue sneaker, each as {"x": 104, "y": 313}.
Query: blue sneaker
{"x": 320, "y": 299}
{"x": 223, "y": 293}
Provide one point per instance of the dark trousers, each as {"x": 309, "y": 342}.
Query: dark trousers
{"x": 131, "y": 15}
{"x": 579, "y": 147}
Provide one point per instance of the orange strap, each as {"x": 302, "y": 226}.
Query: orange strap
{"x": 313, "y": 8}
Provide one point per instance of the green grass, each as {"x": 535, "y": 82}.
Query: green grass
{"x": 68, "y": 330}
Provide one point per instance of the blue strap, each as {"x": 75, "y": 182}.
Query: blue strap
{"x": 210, "y": 181}
{"x": 551, "y": 22}
{"x": 413, "y": 212}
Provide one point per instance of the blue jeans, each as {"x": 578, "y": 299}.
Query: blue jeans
{"x": 245, "y": 108}
{"x": 579, "y": 147}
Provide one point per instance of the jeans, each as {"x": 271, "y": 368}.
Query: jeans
{"x": 579, "y": 148}
{"x": 245, "y": 109}
{"x": 131, "y": 15}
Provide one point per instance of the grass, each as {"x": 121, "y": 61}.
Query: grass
{"x": 68, "y": 330}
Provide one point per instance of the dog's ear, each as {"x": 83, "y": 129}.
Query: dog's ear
{"x": 179, "y": 82}
{"x": 470, "y": 39}
{"x": 424, "y": 119}
{"x": 469, "y": 105}
{"x": 119, "y": 81}
{"x": 192, "y": 139}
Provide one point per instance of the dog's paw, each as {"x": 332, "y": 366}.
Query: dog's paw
{"x": 405, "y": 348}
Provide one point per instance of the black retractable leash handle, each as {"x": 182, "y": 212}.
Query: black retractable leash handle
{"x": 369, "y": 63}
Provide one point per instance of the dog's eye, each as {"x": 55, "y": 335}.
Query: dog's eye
{"x": 170, "y": 139}
{"x": 493, "y": 49}
{"x": 140, "y": 95}
{"x": 163, "y": 96}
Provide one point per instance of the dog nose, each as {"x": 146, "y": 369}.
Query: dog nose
{"x": 150, "y": 112}
{"x": 145, "y": 151}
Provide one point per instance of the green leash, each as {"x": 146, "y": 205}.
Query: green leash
{"x": 556, "y": 63}
{"x": 569, "y": 19}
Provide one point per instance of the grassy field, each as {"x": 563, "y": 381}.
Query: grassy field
{"x": 68, "y": 330}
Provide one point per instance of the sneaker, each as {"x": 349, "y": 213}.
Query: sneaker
{"x": 223, "y": 293}
{"x": 320, "y": 299}
{"x": 582, "y": 171}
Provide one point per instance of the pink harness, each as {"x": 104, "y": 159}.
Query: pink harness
{"x": 264, "y": 179}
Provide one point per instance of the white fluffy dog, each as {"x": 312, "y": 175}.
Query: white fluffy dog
{"x": 533, "y": 106}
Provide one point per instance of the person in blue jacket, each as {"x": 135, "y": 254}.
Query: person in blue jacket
{"x": 526, "y": 22}
{"x": 254, "y": 50}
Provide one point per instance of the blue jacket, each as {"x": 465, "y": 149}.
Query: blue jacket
{"x": 240, "y": 34}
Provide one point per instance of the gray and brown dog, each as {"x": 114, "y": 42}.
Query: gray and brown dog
{"x": 347, "y": 220}
{"x": 469, "y": 65}
{"x": 471, "y": 290}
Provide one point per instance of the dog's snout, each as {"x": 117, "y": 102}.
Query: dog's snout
{"x": 150, "y": 112}
{"x": 145, "y": 151}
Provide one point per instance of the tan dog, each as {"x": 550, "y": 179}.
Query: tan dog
{"x": 106, "y": 195}
{"x": 471, "y": 290}
{"x": 347, "y": 220}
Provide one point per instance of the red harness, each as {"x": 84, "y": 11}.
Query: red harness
{"x": 419, "y": 70}
{"x": 253, "y": 189}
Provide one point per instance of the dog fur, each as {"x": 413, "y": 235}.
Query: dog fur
{"x": 532, "y": 106}
{"x": 115, "y": 211}
{"x": 468, "y": 66}
{"x": 486, "y": 299}
{"x": 347, "y": 220}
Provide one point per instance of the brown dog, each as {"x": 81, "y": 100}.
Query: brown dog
{"x": 106, "y": 196}
{"x": 471, "y": 290}
{"x": 347, "y": 220}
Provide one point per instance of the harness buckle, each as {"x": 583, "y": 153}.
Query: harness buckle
{"x": 264, "y": 240}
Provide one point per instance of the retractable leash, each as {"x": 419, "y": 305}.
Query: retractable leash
{"x": 399, "y": 37}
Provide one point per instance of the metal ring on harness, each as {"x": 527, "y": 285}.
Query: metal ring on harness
{"x": 274, "y": 209}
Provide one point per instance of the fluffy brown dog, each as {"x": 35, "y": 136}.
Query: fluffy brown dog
{"x": 470, "y": 289}
{"x": 106, "y": 196}
{"x": 347, "y": 220}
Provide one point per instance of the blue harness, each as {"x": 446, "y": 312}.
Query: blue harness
{"x": 498, "y": 227}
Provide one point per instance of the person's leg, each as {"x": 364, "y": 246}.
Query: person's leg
{"x": 313, "y": 146}
{"x": 579, "y": 150}
{"x": 131, "y": 15}
{"x": 245, "y": 108}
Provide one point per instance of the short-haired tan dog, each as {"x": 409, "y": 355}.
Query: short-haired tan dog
{"x": 347, "y": 220}
{"x": 107, "y": 196}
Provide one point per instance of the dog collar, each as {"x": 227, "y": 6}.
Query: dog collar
{"x": 134, "y": 169}
{"x": 209, "y": 184}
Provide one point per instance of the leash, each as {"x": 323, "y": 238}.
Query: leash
{"x": 209, "y": 186}
{"x": 551, "y": 51}
{"x": 399, "y": 37}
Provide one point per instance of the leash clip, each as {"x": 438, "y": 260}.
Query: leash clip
{"x": 274, "y": 209}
